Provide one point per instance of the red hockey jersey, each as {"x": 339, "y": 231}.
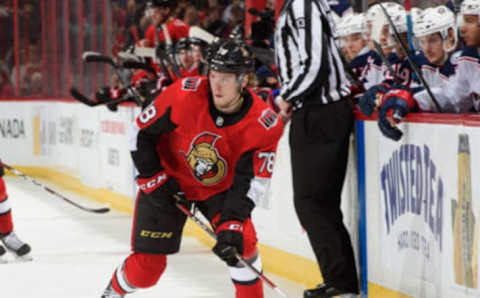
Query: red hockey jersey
{"x": 176, "y": 29}
{"x": 206, "y": 151}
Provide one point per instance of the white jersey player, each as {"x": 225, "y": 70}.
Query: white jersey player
{"x": 461, "y": 94}
{"x": 437, "y": 36}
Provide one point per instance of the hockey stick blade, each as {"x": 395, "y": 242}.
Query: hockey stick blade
{"x": 82, "y": 98}
{"x": 212, "y": 234}
{"x": 46, "y": 188}
{"x": 97, "y": 57}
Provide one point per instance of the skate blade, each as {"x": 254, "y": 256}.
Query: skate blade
{"x": 15, "y": 259}
{"x": 25, "y": 258}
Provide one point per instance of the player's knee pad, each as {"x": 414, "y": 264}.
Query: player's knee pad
{"x": 139, "y": 270}
{"x": 247, "y": 283}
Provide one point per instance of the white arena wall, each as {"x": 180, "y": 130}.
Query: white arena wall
{"x": 400, "y": 198}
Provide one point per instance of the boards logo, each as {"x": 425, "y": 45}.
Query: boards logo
{"x": 12, "y": 128}
{"x": 411, "y": 184}
{"x": 87, "y": 138}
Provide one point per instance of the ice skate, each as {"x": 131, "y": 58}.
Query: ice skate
{"x": 17, "y": 247}
{"x": 2, "y": 254}
{"x": 110, "y": 293}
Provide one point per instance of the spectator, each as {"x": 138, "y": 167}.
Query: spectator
{"x": 6, "y": 90}
{"x": 165, "y": 28}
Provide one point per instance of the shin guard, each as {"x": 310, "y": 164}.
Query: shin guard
{"x": 6, "y": 223}
{"x": 139, "y": 270}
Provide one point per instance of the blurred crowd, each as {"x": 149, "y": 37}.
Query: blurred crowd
{"x": 375, "y": 57}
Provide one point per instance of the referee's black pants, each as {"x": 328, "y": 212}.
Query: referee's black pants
{"x": 319, "y": 142}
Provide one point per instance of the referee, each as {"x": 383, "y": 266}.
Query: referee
{"x": 315, "y": 95}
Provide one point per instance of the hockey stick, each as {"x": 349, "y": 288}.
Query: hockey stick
{"x": 92, "y": 103}
{"x": 97, "y": 57}
{"x": 154, "y": 54}
{"x": 18, "y": 173}
{"x": 385, "y": 61}
{"x": 212, "y": 234}
{"x": 139, "y": 65}
{"x": 396, "y": 35}
{"x": 408, "y": 10}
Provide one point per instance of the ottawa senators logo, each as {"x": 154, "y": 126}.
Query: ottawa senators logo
{"x": 207, "y": 165}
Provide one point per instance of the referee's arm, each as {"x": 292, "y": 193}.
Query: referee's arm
{"x": 299, "y": 48}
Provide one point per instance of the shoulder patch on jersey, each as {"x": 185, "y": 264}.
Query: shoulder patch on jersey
{"x": 191, "y": 84}
{"x": 268, "y": 119}
{"x": 300, "y": 23}
{"x": 454, "y": 57}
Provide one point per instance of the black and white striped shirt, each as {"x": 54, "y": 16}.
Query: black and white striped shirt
{"x": 308, "y": 61}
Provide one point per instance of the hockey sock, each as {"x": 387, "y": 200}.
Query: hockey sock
{"x": 139, "y": 270}
{"x": 6, "y": 223}
{"x": 247, "y": 284}
{"x": 254, "y": 290}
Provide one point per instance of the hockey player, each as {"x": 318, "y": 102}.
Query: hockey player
{"x": 165, "y": 28}
{"x": 437, "y": 35}
{"x": 214, "y": 141}
{"x": 459, "y": 95}
{"x": 8, "y": 237}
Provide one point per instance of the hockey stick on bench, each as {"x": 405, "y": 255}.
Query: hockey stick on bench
{"x": 212, "y": 234}
{"x": 92, "y": 103}
{"x": 18, "y": 173}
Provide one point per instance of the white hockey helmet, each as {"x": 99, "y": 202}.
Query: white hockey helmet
{"x": 435, "y": 20}
{"x": 399, "y": 20}
{"x": 375, "y": 13}
{"x": 470, "y": 7}
{"x": 376, "y": 20}
{"x": 439, "y": 19}
{"x": 351, "y": 24}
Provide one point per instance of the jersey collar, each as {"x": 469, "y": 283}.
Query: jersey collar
{"x": 221, "y": 119}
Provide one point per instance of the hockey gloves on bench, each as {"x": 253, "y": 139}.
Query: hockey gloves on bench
{"x": 397, "y": 103}
{"x": 229, "y": 241}
{"x": 371, "y": 99}
{"x": 160, "y": 191}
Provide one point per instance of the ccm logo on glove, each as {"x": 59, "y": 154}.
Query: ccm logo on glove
{"x": 147, "y": 185}
{"x": 229, "y": 226}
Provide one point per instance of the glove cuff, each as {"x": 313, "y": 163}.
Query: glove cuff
{"x": 230, "y": 225}
{"x": 405, "y": 95}
{"x": 148, "y": 185}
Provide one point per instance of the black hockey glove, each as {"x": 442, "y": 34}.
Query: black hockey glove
{"x": 160, "y": 191}
{"x": 370, "y": 100}
{"x": 2, "y": 171}
{"x": 229, "y": 241}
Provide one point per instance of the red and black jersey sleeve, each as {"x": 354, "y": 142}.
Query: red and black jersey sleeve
{"x": 253, "y": 171}
{"x": 155, "y": 120}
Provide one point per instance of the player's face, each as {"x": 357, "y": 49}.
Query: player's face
{"x": 398, "y": 47}
{"x": 159, "y": 15}
{"x": 471, "y": 30}
{"x": 185, "y": 58}
{"x": 225, "y": 90}
{"x": 432, "y": 47}
{"x": 355, "y": 43}
{"x": 197, "y": 54}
